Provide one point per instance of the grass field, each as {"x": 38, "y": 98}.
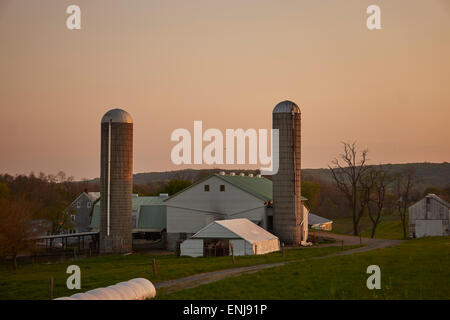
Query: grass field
{"x": 415, "y": 269}
{"x": 390, "y": 227}
{"x": 32, "y": 281}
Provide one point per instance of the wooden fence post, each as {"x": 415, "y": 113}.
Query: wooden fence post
{"x": 155, "y": 270}
{"x": 232, "y": 252}
{"x": 51, "y": 288}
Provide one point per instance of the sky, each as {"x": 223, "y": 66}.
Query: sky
{"x": 226, "y": 63}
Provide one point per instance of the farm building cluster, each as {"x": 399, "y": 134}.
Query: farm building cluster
{"x": 246, "y": 199}
{"x": 245, "y": 214}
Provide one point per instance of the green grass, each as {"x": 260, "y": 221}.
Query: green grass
{"x": 390, "y": 227}
{"x": 415, "y": 269}
{"x": 32, "y": 281}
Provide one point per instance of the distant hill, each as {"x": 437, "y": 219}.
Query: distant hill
{"x": 426, "y": 174}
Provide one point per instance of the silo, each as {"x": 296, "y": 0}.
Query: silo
{"x": 287, "y": 206}
{"x": 116, "y": 182}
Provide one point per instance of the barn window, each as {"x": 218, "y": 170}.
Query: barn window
{"x": 78, "y": 205}
{"x": 222, "y": 187}
{"x": 206, "y": 187}
{"x": 88, "y": 204}
{"x": 72, "y": 217}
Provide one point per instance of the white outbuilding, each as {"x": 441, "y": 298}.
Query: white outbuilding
{"x": 221, "y": 236}
{"x": 429, "y": 217}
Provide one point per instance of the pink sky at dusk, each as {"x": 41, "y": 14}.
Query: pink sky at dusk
{"x": 227, "y": 63}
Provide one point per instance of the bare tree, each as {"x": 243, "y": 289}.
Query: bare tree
{"x": 403, "y": 191}
{"x": 16, "y": 227}
{"x": 347, "y": 172}
{"x": 374, "y": 186}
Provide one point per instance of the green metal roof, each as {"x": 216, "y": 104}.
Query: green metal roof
{"x": 95, "y": 220}
{"x": 259, "y": 187}
{"x": 152, "y": 217}
{"x": 138, "y": 203}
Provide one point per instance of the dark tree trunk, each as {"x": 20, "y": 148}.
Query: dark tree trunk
{"x": 15, "y": 261}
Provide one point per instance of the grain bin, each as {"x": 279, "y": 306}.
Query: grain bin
{"x": 116, "y": 182}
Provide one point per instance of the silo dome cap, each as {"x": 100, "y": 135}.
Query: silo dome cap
{"x": 117, "y": 116}
{"x": 286, "y": 107}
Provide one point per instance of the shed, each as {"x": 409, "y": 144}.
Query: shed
{"x": 429, "y": 217}
{"x": 319, "y": 223}
{"x": 217, "y": 238}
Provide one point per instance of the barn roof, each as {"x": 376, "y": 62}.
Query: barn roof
{"x": 315, "y": 219}
{"x": 435, "y": 197}
{"x": 259, "y": 187}
{"x": 234, "y": 228}
{"x": 151, "y": 213}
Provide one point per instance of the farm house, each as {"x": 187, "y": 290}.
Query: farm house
{"x": 218, "y": 237}
{"x": 429, "y": 217}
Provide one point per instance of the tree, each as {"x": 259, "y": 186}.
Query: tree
{"x": 174, "y": 186}
{"x": 4, "y": 190}
{"x": 403, "y": 193}
{"x": 311, "y": 191}
{"x": 16, "y": 227}
{"x": 374, "y": 186}
{"x": 347, "y": 176}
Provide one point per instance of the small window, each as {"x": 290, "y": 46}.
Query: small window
{"x": 206, "y": 187}
{"x": 88, "y": 204}
{"x": 222, "y": 187}
{"x": 78, "y": 205}
{"x": 72, "y": 217}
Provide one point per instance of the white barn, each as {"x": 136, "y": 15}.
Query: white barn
{"x": 429, "y": 217}
{"x": 219, "y": 197}
{"x": 217, "y": 238}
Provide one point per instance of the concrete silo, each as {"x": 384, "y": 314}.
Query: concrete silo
{"x": 116, "y": 182}
{"x": 287, "y": 206}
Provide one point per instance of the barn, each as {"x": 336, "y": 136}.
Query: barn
{"x": 429, "y": 217}
{"x": 221, "y": 236}
{"x": 220, "y": 197}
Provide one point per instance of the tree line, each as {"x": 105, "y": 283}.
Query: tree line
{"x": 359, "y": 189}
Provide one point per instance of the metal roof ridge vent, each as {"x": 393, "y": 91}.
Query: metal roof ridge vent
{"x": 259, "y": 175}
{"x": 222, "y": 173}
{"x": 242, "y": 174}
{"x": 250, "y": 175}
{"x": 232, "y": 174}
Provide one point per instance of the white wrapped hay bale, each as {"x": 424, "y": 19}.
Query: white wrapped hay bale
{"x": 135, "y": 289}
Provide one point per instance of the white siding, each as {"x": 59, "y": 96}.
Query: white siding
{"x": 194, "y": 208}
{"x": 428, "y": 228}
{"x": 184, "y": 220}
{"x": 267, "y": 246}
{"x": 192, "y": 248}
{"x": 240, "y": 247}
